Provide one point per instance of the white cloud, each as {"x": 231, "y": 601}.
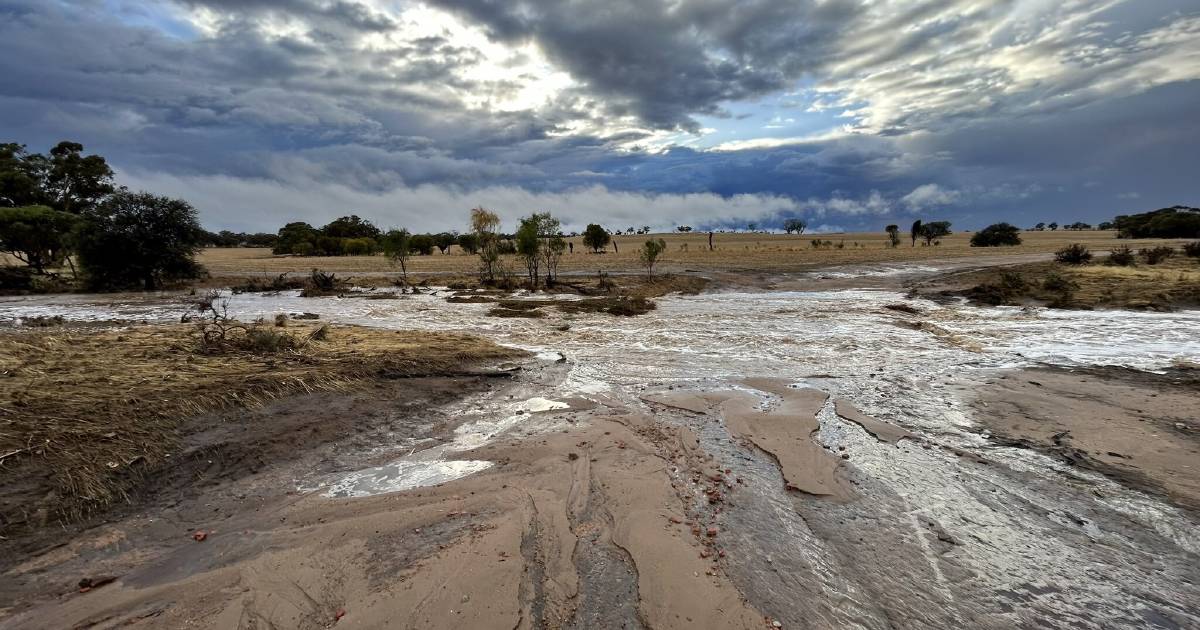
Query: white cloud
{"x": 265, "y": 205}
{"x": 929, "y": 196}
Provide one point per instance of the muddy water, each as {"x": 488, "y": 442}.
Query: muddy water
{"x": 931, "y": 540}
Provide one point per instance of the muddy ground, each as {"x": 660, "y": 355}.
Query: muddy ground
{"x": 751, "y": 458}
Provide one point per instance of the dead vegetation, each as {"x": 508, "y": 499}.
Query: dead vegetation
{"x": 601, "y": 294}
{"x": 87, "y": 415}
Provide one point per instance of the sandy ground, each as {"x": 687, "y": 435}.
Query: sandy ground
{"x": 1140, "y": 428}
{"x": 743, "y": 502}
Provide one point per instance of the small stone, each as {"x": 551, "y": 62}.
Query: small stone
{"x": 711, "y": 531}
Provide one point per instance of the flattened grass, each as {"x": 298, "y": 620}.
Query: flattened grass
{"x": 96, "y": 411}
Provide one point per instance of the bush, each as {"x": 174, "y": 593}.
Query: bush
{"x": 1155, "y": 255}
{"x": 1192, "y": 249}
{"x": 1121, "y": 256}
{"x": 1073, "y": 254}
{"x": 996, "y": 235}
{"x": 1055, "y": 281}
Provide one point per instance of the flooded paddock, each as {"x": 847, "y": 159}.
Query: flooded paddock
{"x": 930, "y": 538}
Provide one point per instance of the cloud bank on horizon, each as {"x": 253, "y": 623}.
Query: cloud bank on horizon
{"x": 712, "y": 113}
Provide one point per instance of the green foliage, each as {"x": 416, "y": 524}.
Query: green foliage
{"x": 1173, "y": 222}
{"x": 650, "y": 252}
{"x": 422, "y": 244}
{"x": 996, "y": 235}
{"x": 360, "y": 246}
{"x": 915, "y": 231}
{"x": 1121, "y": 256}
{"x": 443, "y": 241}
{"x": 1155, "y": 255}
{"x": 529, "y": 246}
{"x": 596, "y": 237}
{"x": 36, "y": 235}
{"x": 934, "y": 230}
{"x": 139, "y": 239}
{"x": 397, "y": 246}
{"x": 67, "y": 180}
{"x": 469, "y": 243}
{"x": 292, "y": 235}
{"x": 351, "y": 227}
{"x": 1073, "y": 254}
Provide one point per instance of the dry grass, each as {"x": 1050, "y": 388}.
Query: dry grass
{"x": 98, "y": 410}
{"x": 1174, "y": 283}
{"x": 760, "y": 252}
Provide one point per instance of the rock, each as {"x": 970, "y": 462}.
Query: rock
{"x": 711, "y": 531}
{"x": 199, "y": 535}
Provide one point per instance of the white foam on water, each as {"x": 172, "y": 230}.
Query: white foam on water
{"x": 403, "y": 475}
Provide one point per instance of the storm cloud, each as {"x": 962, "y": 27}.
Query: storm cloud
{"x": 702, "y": 112}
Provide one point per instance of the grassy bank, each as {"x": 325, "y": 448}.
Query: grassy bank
{"x": 89, "y": 414}
{"x": 1170, "y": 284}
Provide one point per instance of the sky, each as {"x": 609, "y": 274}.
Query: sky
{"x": 848, "y": 114}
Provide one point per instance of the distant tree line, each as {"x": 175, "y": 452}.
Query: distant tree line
{"x": 1173, "y": 222}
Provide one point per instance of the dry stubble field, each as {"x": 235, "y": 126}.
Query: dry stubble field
{"x": 733, "y": 252}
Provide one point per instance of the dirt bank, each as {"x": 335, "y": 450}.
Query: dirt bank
{"x": 1139, "y": 428}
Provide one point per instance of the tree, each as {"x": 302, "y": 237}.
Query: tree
{"x": 38, "y": 236}
{"x": 751, "y": 227}
{"x": 351, "y": 227}
{"x": 794, "y": 225}
{"x": 1173, "y": 222}
{"x": 553, "y": 245}
{"x": 893, "y": 232}
{"x": 684, "y": 228}
{"x": 397, "y": 247}
{"x": 469, "y": 243}
{"x": 422, "y": 244}
{"x": 934, "y": 230}
{"x": 76, "y": 182}
{"x": 529, "y": 247}
{"x": 66, "y": 181}
{"x": 596, "y": 237}
{"x": 996, "y": 235}
{"x": 916, "y": 231}
{"x": 134, "y": 239}
{"x": 650, "y": 252}
{"x": 1041, "y": 226}
{"x": 1053, "y": 226}
{"x": 485, "y": 224}
{"x": 292, "y": 235}
{"x": 444, "y": 240}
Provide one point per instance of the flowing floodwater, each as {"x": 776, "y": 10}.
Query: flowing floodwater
{"x": 932, "y": 541}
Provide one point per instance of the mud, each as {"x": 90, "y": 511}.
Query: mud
{"x": 639, "y": 477}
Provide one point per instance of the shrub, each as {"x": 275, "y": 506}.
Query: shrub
{"x": 1155, "y": 255}
{"x": 1121, "y": 256}
{"x": 1073, "y": 254}
{"x": 996, "y": 235}
{"x": 1055, "y": 281}
{"x": 1192, "y": 249}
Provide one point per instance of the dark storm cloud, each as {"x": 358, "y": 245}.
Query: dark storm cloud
{"x": 961, "y": 109}
{"x": 665, "y": 62}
